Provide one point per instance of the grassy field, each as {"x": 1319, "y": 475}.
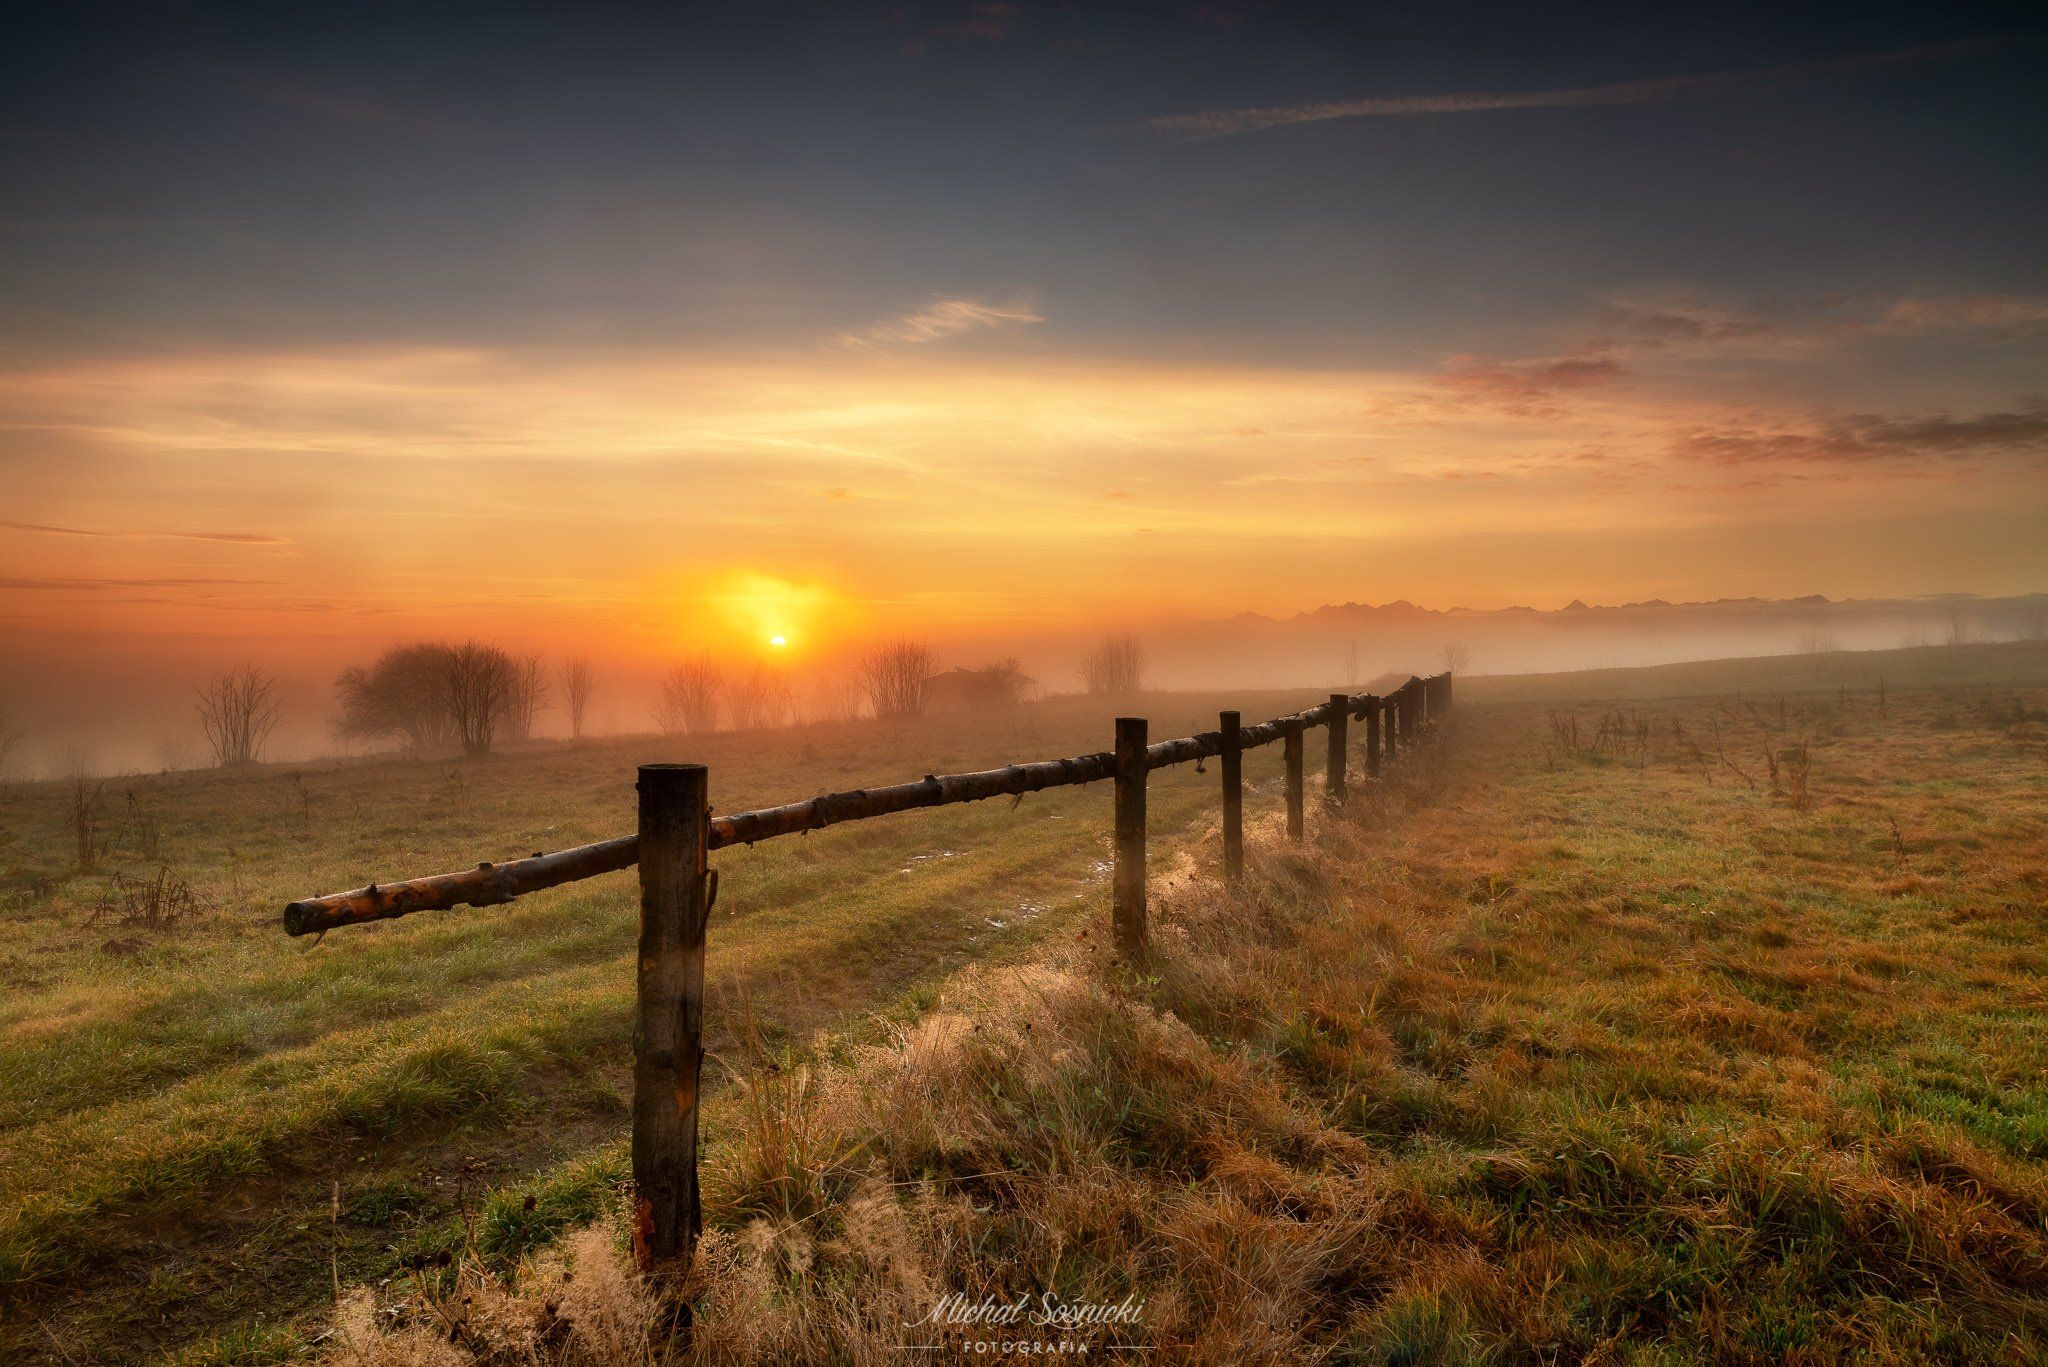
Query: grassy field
{"x": 1658, "y": 1015}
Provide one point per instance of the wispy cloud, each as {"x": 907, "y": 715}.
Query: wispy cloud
{"x": 940, "y": 319}
{"x": 1222, "y": 123}
{"x": 1868, "y": 437}
{"x": 345, "y": 104}
{"x": 232, "y": 538}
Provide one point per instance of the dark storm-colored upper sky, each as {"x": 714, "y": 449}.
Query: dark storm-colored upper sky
{"x": 1475, "y": 303}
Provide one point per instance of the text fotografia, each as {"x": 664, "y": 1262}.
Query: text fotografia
{"x": 1063, "y": 1322}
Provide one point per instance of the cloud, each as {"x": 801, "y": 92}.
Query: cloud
{"x": 343, "y": 104}
{"x": 1869, "y": 437}
{"x": 1524, "y": 389}
{"x": 232, "y": 538}
{"x": 940, "y": 319}
{"x": 97, "y": 584}
{"x": 1678, "y": 325}
{"x": 1223, "y": 123}
{"x": 987, "y": 21}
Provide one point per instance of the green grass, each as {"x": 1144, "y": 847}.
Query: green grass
{"x": 185, "y": 1100}
{"x": 1544, "y": 1051}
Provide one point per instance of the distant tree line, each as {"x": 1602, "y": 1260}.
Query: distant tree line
{"x": 434, "y": 695}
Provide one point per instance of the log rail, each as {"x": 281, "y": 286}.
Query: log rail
{"x": 677, "y": 888}
{"x": 489, "y": 885}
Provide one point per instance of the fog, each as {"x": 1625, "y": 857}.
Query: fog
{"x": 107, "y": 705}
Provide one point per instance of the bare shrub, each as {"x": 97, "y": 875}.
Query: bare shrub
{"x": 577, "y": 685}
{"x": 10, "y": 737}
{"x": 1115, "y": 666}
{"x": 238, "y": 711}
{"x": 88, "y": 811}
{"x": 1457, "y": 657}
{"x": 688, "y": 703}
{"x": 525, "y": 696}
{"x": 143, "y": 827}
{"x": 1961, "y": 631}
{"x": 1816, "y": 642}
{"x": 897, "y": 677}
{"x": 158, "y": 902}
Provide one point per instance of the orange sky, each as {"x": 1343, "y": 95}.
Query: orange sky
{"x": 645, "y": 501}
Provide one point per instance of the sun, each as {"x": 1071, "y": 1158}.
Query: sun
{"x": 778, "y": 641}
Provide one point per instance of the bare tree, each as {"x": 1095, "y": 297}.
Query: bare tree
{"x": 10, "y": 737}
{"x": 1351, "y": 666}
{"x": 759, "y": 696}
{"x": 526, "y": 696}
{"x": 404, "y": 694}
{"x": 689, "y": 697}
{"x": 1816, "y": 642}
{"x": 1960, "y": 631}
{"x": 897, "y": 677}
{"x": 1117, "y": 665}
{"x": 238, "y": 711}
{"x": 480, "y": 684}
{"x": 1457, "y": 657}
{"x": 577, "y": 684}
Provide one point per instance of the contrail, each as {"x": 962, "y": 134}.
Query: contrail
{"x": 1223, "y": 123}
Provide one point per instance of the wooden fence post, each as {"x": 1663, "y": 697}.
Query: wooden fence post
{"x": 1372, "y": 737}
{"x": 1291, "y": 746}
{"x": 1233, "y": 797}
{"x": 1340, "y": 716}
{"x": 1128, "y": 884}
{"x": 1407, "y": 710}
{"x": 1447, "y": 690}
{"x": 1391, "y": 705}
{"x": 668, "y": 1048}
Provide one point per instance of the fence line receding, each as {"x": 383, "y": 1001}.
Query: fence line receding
{"x": 677, "y": 833}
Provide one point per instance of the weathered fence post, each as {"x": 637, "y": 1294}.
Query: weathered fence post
{"x": 1408, "y": 709}
{"x": 1291, "y": 746}
{"x": 668, "y": 1048}
{"x": 1391, "y": 705}
{"x": 1233, "y": 797}
{"x": 1447, "y": 690}
{"x": 1372, "y": 736}
{"x": 1340, "y": 716}
{"x": 1128, "y": 884}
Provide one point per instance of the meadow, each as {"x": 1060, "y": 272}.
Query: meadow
{"x": 1674, "y": 1014}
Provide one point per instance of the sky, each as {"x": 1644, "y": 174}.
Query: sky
{"x": 639, "y": 329}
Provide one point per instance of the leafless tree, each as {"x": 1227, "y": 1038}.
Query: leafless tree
{"x": 1351, "y": 666}
{"x": 405, "y": 694}
{"x": 480, "y": 684}
{"x": 10, "y": 737}
{"x": 526, "y": 696}
{"x": 689, "y": 698}
{"x": 897, "y": 677}
{"x": 1960, "y": 631}
{"x": 1457, "y": 657}
{"x": 577, "y": 684}
{"x": 1816, "y": 642}
{"x": 1116, "y": 665}
{"x": 238, "y": 711}
{"x": 759, "y": 696}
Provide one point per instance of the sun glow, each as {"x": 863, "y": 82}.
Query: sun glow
{"x": 778, "y": 641}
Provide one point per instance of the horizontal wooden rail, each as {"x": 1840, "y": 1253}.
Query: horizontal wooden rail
{"x": 677, "y": 833}
{"x": 495, "y": 884}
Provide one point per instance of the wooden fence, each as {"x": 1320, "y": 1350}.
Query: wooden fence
{"x": 678, "y": 886}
